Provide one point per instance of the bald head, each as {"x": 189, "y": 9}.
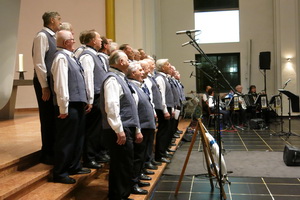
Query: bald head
{"x": 65, "y": 39}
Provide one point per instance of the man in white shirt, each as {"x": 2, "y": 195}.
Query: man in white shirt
{"x": 71, "y": 100}
{"x": 94, "y": 73}
{"x": 120, "y": 125}
{"x": 44, "y": 47}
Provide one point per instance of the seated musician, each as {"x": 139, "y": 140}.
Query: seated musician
{"x": 253, "y": 109}
{"x": 242, "y": 120}
{"x": 212, "y": 107}
{"x": 205, "y": 101}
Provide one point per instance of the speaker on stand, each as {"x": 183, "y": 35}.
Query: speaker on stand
{"x": 264, "y": 64}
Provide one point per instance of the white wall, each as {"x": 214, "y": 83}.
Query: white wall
{"x": 83, "y": 15}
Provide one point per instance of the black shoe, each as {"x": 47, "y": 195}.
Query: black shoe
{"x": 143, "y": 184}
{"x": 103, "y": 159}
{"x": 144, "y": 177}
{"x": 171, "y": 150}
{"x": 165, "y": 160}
{"x": 150, "y": 166}
{"x": 92, "y": 165}
{"x": 137, "y": 190}
{"x": 81, "y": 171}
{"x": 65, "y": 180}
{"x": 147, "y": 172}
{"x": 153, "y": 162}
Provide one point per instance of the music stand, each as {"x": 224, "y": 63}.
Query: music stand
{"x": 293, "y": 105}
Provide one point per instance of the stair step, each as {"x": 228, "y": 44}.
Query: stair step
{"x": 19, "y": 180}
{"x": 19, "y": 164}
{"x": 54, "y": 191}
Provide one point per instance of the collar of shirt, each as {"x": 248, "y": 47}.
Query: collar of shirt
{"x": 104, "y": 55}
{"x": 118, "y": 72}
{"x": 162, "y": 73}
{"x": 49, "y": 31}
{"x": 91, "y": 50}
{"x": 137, "y": 83}
{"x": 69, "y": 53}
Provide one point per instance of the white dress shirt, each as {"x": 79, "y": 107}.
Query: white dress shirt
{"x": 60, "y": 76}
{"x": 88, "y": 65}
{"x": 40, "y": 47}
{"x": 162, "y": 87}
{"x": 113, "y": 92}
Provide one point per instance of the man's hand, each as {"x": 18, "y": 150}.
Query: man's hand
{"x": 138, "y": 137}
{"x": 121, "y": 138}
{"x": 88, "y": 108}
{"x": 46, "y": 93}
{"x": 167, "y": 115}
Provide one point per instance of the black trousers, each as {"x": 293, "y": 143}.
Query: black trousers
{"x": 140, "y": 152}
{"x": 93, "y": 135}
{"x": 162, "y": 135}
{"x": 47, "y": 121}
{"x": 149, "y": 146}
{"x": 173, "y": 128}
{"x": 121, "y": 164}
{"x": 69, "y": 141}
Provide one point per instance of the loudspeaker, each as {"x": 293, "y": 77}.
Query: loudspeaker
{"x": 265, "y": 60}
{"x": 291, "y": 155}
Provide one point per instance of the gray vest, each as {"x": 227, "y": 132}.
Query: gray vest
{"x": 76, "y": 84}
{"x": 157, "y": 99}
{"x": 175, "y": 92}
{"x": 145, "y": 109}
{"x": 169, "y": 94}
{"x": 49, "y": 56}
{"x": 128, "y": 108}
{"x": 99, "y": 72}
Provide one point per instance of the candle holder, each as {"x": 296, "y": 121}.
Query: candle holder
{"x": 21, "y": 75}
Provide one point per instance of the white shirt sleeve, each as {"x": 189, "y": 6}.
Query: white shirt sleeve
{"x": 211, "y": 103}
{"x": 60, "y": 78}
{"x": 112, "y": 94}
{"x": 162, "y": 87}
{"x": 40, "y": 47}
{"x": 87, "y": 63}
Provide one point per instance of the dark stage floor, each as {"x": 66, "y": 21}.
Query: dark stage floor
{"x": 270, "y": 138}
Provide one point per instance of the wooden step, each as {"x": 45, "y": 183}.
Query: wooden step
{"x": 55, "y": 191}
{"x": 18, "y": 181}
{"x": 19, "y": 164}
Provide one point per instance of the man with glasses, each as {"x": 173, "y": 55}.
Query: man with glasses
{"x": 71, "y": 99}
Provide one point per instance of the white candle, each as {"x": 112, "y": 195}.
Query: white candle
{"x": 21, "y": 68}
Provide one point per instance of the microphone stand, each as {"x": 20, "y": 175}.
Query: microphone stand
{"x": 211, "y": 79}
{"x": 217, "y": 106}
{"x": 281, "y": 133}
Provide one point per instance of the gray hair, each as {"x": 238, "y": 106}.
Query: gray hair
{"x": 47, "y": 17}
{"x": 133, "y": 66}
{"x": 160, "y": 63}
{"x": 116, "y": 56}
{"x": 66, "y": 26}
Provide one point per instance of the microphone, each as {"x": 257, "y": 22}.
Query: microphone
{"x": 191, "y": 74}
{"x": 186, "y": 31}
{"x": 186, "y": 43}
{"x": 287, "y": 81}
{"x": 189, "y": 61}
